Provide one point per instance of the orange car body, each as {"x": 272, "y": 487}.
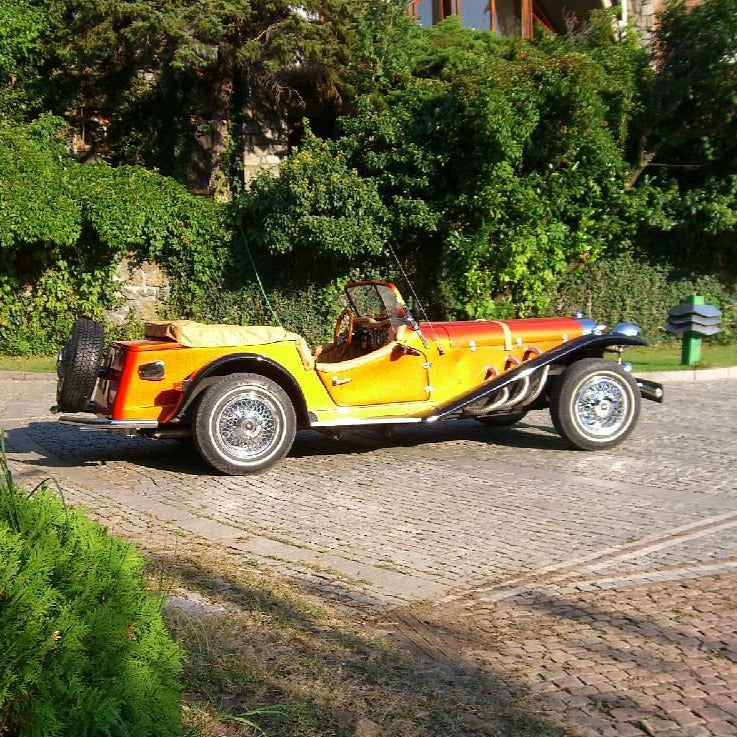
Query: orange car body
{"x": 382, "y": 367}
{"x": 403, "y": 378}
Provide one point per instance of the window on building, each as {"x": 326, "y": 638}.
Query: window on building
{"x": 539, "y": 16}
{"x": 422, "y": 10}
{"x": 505, "y": 17}
{"x": 433, "y": 11}
{"x": 449, "y": 7}
{"x": 476, "y": 14}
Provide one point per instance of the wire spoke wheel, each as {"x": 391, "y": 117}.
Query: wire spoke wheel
{"x": 595, "y": 404}
{"x": 602, "y": 406}
{"x": 244, "y": 424}
{"x": 248, "y": 424}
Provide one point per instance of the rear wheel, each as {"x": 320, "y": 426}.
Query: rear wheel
{"x": 595, "y": 404}
{"x": 78, "y": 366}
{"x": 244, "y": 424}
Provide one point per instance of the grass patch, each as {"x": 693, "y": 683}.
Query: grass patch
{"x": 264, "y": 658}
{"x": 668, "y": 357}
{"x": 33, "y": 364}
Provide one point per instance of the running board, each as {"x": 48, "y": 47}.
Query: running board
{"x": 353, "y": 422}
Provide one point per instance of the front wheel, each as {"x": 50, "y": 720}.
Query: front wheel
{"x": 595, "y": 404}
{"x": 244, "y": 424}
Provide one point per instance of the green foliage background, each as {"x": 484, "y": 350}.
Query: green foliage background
{"x": 84, "y": 646}
{"x": 510, "y": 177}
{"x": 624, "y": 288}
{"x": 64, "y": 227}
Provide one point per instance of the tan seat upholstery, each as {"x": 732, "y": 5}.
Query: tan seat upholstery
{"x": 351, "y": 363}
{"x": 198, "y": 335}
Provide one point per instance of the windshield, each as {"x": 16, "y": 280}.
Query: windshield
{"x": 381, "y": 301}
{"x": 378, "y": 300}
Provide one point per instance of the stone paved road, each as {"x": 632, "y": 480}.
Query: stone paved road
{"x": 602, "y": 582}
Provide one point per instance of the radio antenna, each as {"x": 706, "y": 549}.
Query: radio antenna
{"x": 258, "y": 278}
{"x": 420, "y": 306}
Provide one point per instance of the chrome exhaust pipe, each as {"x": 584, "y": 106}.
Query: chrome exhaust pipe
{"x": 650, "y": 390}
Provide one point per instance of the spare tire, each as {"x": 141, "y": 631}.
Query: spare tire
{"x": 78, "y": 366}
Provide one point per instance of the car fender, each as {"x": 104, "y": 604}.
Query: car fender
{"x": 586, "y": 346}
{"x": 245, "y": 363}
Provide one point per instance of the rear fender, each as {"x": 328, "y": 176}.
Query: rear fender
{"x": 237, "y": 363}
{"x": 586, "y": 346}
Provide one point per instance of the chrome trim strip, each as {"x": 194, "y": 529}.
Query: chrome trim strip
{"x": 347, "y": 422}
{"x": 103, "y": 423}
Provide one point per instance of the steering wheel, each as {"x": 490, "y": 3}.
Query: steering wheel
{"x": 343, "y": 332}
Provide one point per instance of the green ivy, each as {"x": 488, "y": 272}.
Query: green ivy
{"x": 496, "y": 169}
{"x": 65, "y": 226}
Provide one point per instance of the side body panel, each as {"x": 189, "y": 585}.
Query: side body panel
{"x": 466, "y": 355}
{"x": 460, "y": 357}
{"x": 395, "y": 373}
{"x": 123, "y": 395}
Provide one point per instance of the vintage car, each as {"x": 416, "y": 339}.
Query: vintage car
{"x": 241, "y": 392}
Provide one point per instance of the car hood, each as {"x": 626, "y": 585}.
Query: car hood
{"x": 504, "y": 332}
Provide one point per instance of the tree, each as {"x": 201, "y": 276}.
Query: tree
{"x": 690, "y": 121}
{"x": 173, "y": 83}
{"x": 21, "y": 28}
{"x": 501, "y": 162}
{"x": 686, "y": 140}
{"x": 64, "y": 226}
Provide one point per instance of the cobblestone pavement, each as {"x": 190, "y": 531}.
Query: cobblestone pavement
{"x": 601, "y": 582}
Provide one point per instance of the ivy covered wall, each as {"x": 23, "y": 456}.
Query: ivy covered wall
{"x": 500, "y": 171}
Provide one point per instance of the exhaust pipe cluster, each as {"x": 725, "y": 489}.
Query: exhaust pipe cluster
{"x": 523, "y": 393}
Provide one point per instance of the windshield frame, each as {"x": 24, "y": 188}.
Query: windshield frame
{"x": 386, "y": 293}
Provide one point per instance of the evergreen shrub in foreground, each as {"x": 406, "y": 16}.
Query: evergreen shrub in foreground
{"x": 83, "y": 649}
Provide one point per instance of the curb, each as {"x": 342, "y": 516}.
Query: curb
{"x": 27, "y": 375}
{"x": 680, "y": 377}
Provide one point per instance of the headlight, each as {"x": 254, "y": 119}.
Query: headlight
{"x": 628, "y": 329}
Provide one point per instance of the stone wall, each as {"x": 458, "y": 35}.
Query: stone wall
{"x": 143, "y": 287}
{"x": 643, "y": 14}
{"x": 265, "y": 143}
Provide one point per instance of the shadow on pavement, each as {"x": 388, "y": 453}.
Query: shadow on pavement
{"x": 659, "y": 658}
{"x": 59, "y": 445}
{"x": 266, "y": 644}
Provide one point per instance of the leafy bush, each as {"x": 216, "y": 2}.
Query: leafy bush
{"x": 84, "y": 650}
{"x": 21, "y": 30}
{"x": 500, "y": 162}
{"x": 494, "y": 167}
{"x": 64, "y": 227}
{"x": 627, "y": 288}
{"x": 316, "y": 209}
